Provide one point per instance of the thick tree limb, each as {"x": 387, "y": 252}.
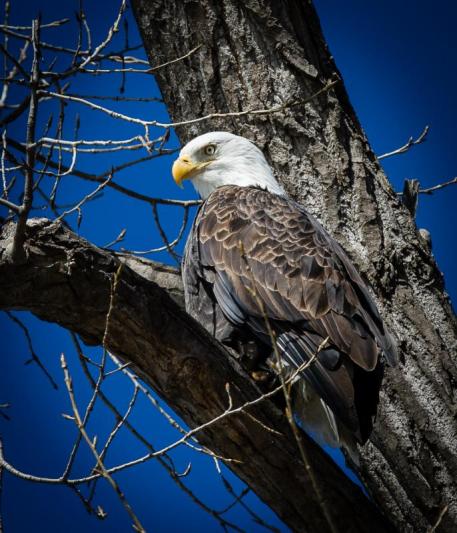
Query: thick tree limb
{"x": 66, "y": 280}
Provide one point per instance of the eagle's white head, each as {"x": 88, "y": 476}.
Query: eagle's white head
{"x": 219, "y": 158}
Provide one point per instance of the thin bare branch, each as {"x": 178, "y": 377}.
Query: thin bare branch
{"x": 2, "y": 414}
{"x": 116, "y": 98}
{"x": 210, "y": 116}
{"x": 409, "y": 144}
{"x": 118, "y": 239}
{"x": 100, "y": 466}
{"x": 439, "y": 519}
{"x": 120, "y": 188}
{"x": 431, "y": 190}
{"x": 10, "y": 205}
{"x": 84, "y": 22}
{"x": 113, "y": 30}
{"x": 54, "y": 24}
{"x": 169, "y": 246}
{"x": 87, "y": 414}
{"x": 12, "y": 73}
{"x": 119, "y": 424}
{"x": 33, "y": 354}
{"x": 14, "y": 115}
{"x": 16, "y": 62}
{"x": 86, "y": 198}
{"x": 167, "y": 63}
{"x": 238, "y": 499}
{"x": 150, "y": 70}
{"x": 19, "y": 236}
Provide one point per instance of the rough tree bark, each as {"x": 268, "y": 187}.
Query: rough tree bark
{"x": 68, "y": 281}
{"x": 259, "y": 53}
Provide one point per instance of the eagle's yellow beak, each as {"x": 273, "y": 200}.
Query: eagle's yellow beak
{"x": 184, "y": 168}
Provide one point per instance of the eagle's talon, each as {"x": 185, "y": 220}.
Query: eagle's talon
{"x": 261, "y": 375}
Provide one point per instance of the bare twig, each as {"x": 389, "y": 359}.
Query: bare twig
{"x": 16, "y": 208}
{"x": 89, "y": 409}
{"x": 33, "y": 354}
{"x": 116, "y": 98}
{"x": 19, "y": 236}
{"x": 149, "y": 70}
{"x": 188, "y": 435}
{"x": 411, "y": 190}
{"x": 409, "y": 144}
{"x": 169, "y": 247}
{"x": 431, "y": 190}
{"x": 113, "y": 56}
{"x": 100, "y": 466}
{"x": 210, "y": 116}
{"x": 181, "y": 58}
{"x": 118, "y": 239}
{"x": 164, "y": 460}
{"x": 2, "y": 414}
{"x": 238, "y": 499}
{"x": 439, "y": 519}
{"x": 86, "y": 198}
{"x": 119, "y": 424}
{"x": 54, "y": 24}
{"x": 16, "y": 62}
{"x": 14, "y": 115}
{"x": 12, "y": 73}
{"x": 113, "y": 30}
{"x": 120, "y": 188}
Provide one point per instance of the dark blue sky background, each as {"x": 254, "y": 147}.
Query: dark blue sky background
{"x": 398, "y": 63}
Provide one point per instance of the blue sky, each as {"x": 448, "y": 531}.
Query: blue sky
{"x": 398, "y": 64}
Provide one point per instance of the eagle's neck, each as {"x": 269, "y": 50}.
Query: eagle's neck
{"x": 241, "y": 173}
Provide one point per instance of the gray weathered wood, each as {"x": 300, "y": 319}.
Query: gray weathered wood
{"x": 259, "y": 53}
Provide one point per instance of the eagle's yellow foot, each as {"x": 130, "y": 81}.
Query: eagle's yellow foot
{"x": 261, "y": 375}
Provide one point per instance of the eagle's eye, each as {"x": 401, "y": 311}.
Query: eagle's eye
{"x": 210, "y": 149}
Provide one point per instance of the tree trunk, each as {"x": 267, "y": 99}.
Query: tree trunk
{"x": 261, "y": 53}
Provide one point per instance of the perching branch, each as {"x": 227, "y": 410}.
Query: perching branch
{"x": 170, "y": 343}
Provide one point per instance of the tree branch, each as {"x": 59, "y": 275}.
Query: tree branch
{"x": 431, "y": 190}
{"x": 70, "y": 285}
{"x": 407, "y": 146}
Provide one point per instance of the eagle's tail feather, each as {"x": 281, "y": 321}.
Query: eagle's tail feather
{"x": 316, "y": 417}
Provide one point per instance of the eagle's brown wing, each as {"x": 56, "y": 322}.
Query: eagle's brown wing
{"x": 248, "y": 245}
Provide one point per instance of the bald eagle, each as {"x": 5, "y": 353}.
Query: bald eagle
{"x": 255, "y": 256}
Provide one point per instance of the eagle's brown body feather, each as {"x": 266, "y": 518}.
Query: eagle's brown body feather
{"x": 247, "y": 243}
